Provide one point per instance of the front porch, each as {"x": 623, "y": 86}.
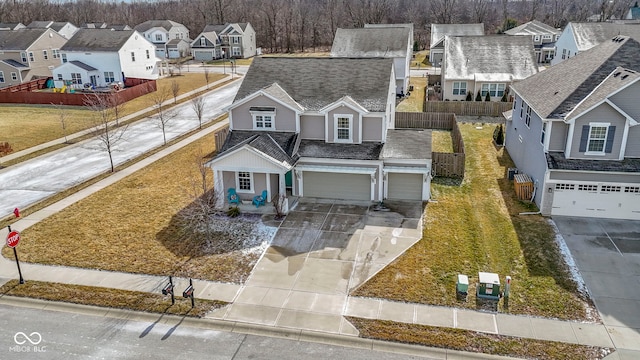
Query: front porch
{"x": 247, "y": 207}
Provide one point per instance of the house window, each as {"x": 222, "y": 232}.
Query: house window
{"x": 203, "y": 41}
{"x": 133, "y": 56}
{"x": 236, "y": 51}
{"x": 493, "y": 89}
{"x": 564, "y": 53}
{"x": 536, "y": 38}
{"x": 263, "y": 117}
{"x": 14, "y": 76}
{"x": 597, "y": 138}
{"x": 527, "y": 118}
{"x": 31, "y": 57}
{"x": 343, "y": 128}
{"x": 1, "y": 77}
{"x": 245, "y": 182}
{"x": 56, "y": 53}
{"x": 557, "y": 37}
{"x": 76, "y": 78}
{"x": 177, "y": 36}
{"x": 64, "y": 58}
{"x": 236, "y": 39}
{"x": 109, "y": 77}
{"x": 546, "y": 37}
{"x": 45, "y": 54}
{"x": 59, "y": 76}
{"x": 158, "y": 37}
{"x": 147, "y": 52}
{"x": 544, "y": 131}
{"x": 24, "y": 57}
{"x": 459, "y": 88}
{"x": 521, "y": 108}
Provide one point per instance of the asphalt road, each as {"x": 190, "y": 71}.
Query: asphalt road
{"x": 39, "y": 334}
{"x": 33, "y": 180}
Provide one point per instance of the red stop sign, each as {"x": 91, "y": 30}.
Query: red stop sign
{"x": 13, "y": 238}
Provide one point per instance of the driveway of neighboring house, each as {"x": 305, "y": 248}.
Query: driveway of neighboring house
{"x": 607, "y": 253}
{"x": 322, "y": 250}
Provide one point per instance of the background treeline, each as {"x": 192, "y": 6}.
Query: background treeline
{"x": 295, "y": 25}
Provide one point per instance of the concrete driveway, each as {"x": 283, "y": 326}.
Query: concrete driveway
{"x": 607, "y": 253}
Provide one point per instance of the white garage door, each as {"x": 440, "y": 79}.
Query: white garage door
{"x": 174, "y": 53}
{"x": 590, "y": 200}
{"x": 404, "y": 186}
{"x": 202, "y": 55}
{"x": 336, "y": 185}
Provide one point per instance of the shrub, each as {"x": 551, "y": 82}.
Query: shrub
{"x": 478, "y": 96}
{"x": 233, "y": 211}
{"x": 498, "y": 135}
{"x": 487, "y": 97}
{"x": 469, "y": 96}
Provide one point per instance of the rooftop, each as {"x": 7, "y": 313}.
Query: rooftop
{"x": 557, "y": 161}
{"x": 19, "y": 39}
{"x": 407, "y": 144}
{"x": 439, "y": 31}
{"x": 590, "y": 34}
{"x": 279, "y": 145}
{"x": 98, "y": 40}
{"x": 371, "y": 42}
{"x": 322, "y": 149}
{"x": 534, "y": 27}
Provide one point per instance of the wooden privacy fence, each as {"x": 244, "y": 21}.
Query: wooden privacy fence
{"x": 444, "y": 164}
{"x": 221, "y": 136}
{"x": 468, "y": 108}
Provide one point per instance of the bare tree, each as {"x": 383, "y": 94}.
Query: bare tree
{"x": 103, "y": 115}
{"x": 63, "y": 115}
{"x": 178, "y": 65}
{"x": 197, "y": 103}
{"x": 197, "y": 216}
{"x": 175, "y": 90}
{"x": 207, "y": 75}
{"x": 162, "y": 112}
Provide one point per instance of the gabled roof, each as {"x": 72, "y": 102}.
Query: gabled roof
{"x": 534, "y": 27}
{"x": 489, "y": 58}
{"x": 278, "y": 92}
{"x": 315, "y": 82}
{"x": 175, "y": 42}
{"x": 119, "y": 27}
{"x": 11, "y": 26}
{"x": 590, "y": 34}
{"x": 555, "y": 92}
{"x": 19, "y": 39}
{"x": 15, "y": 64}
{"x": 214, "y": 28}
{"x": 96, "y": 25}
{"x": 371, "y": 42}
{"x": 82, "y": 65}
{"x": 439, "y": 31}
{"x": 212, "y": 36}
{"x": 279, "y": 145}
{"x": 40, "y": 24}
{"x": 150, "y": 24}
{"x": 97, "y": 40}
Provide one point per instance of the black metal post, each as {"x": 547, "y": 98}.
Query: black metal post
{"x": 15, "y": 253}
{"x": 193, "y": 303}
{"x": 173, "y": 299}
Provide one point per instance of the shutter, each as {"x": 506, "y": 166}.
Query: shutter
{"x": 610, "y": 136}
{"x": 584, "y": 138}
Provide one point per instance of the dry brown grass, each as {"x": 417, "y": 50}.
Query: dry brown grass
{"x": 26, "y": 126}
{"x": 131, "y": 226}
{"x": 441, "y": 141}
{"x": 475, "y": 227}
{"x": 112, "y": 298}
{"x": 471, "y": 341}
{"x": 414, "y": 102}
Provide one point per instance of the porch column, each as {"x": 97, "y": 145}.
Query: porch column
{"x": 282, "y": 191}
{"x": 218, "y": 186}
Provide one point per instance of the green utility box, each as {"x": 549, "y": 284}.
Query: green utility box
{"x": 462, "y": 287}
{"x": 488, "y": 286}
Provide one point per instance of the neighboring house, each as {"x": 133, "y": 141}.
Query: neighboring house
{"x": 574, "y": 130}
{"x": 64, "y": 28}
{"x": 28, "y": 54}
{"x": 485, "y": 64}
{"x": 104, "y": 56}
{"x": 578, "y": 37}
{"x": 386, "y": 42}
{"x": 440, "y": 31}
{"x": 207, "y": 46}
{"x": 160, "y": 32}
{"x": 106, "y": 26}
{"x": 408, "y": 26}
{"x": 324, "y": 128}
{"x": 237, "y": 40}
{"x": 544, "y": 38}
{"x": 634, "y": 13}
{"x": 12, "y": 26}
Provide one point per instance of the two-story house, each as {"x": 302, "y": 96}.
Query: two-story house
{"x": 236, "y": 40}
{"x": 207, "y": 45}
{"x": 544, "y": 38}
{"x": 440, "y": 31}
{"x": 64, "y": 28}
{"x": 103, "y": 56}
{"x": 321, "y": 127}
{"x": 161, "y": 32}
{"x": 577, "y": 37}
{"x": 574, "y": 130}
{"x": 387, "y": 42}
{"x": 28, "y": 54}
{"x": 485, "y": 64}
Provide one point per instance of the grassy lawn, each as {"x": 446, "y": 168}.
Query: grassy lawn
{"x": 471, "y": 341}
{"x": 441, "y": 141}
{"x": 132, "y": 226}
{"x": 420, "y": 59}
{"x": 113, "y": 298}
{"x": 220, "y": 62}
{"x": 26, "y": 126}
{"x": 476, "y": 227}
{"x": 414, "y": 102}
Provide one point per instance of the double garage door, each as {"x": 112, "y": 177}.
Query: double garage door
{"x": 591, "y": 200}
{"x": 404, "y": 186}
{"x": 336, "y": 185}
{"x": 203, "y": 55}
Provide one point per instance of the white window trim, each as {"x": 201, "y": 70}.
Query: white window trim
{"x": 2, "y": 77}
{"x": 604, "y": 144}
{"x": 459, "y": 88}
{"x": 263, "y": 113}
{"x": 335, "y": 128}
{"x": 251, "y": 182}
{"x": 14, "y": 76}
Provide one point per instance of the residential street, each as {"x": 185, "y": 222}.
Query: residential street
{"x": 62, "y": 335}
{"x": 31, "y": 181}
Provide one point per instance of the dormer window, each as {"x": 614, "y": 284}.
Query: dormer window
{"x": 263, "y": 117}
{"x": 343, "y": 126}
{"x": 203, "y": 41}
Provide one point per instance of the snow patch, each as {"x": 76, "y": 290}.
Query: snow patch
{"x": 568, "y": 259}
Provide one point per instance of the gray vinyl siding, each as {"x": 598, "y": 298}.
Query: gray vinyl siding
{"x": 528, "y": 155}
{"x": 312, "y": 127}
{"x": 372, "y": 129}
{"x": 285, "y": 119}
{"x": 604, "y": 113}
{"x": 275, "y": 186}
{"x": 259, "y": 183}
{"x": 343, "y": 110}
{"x": 633, "y": 142}
{"x": 627, "y": 100}
{"x": 600, "y": 177}
{"x": 558, "y": 136}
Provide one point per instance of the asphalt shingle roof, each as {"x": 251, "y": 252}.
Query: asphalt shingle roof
{"x": 322, "y": 149}
{"x": 15, "y": 64}
{"x": 97, "y": 40}
{"x": 533, "y": 27}
{"x": 316, "y": 82}
{"x": 557, "y": 161}
{"x": 555, "y": 92}
{"x": 279, "y": 145}
{"x": 19, "y": 39}
{"x": 371, "y": 42}
{"x": 590, "y": 34}
{"x": 617, "y": 79}
{"x": 82, "y": 65}
{"x": 150, "y": 24}
{"x": 214, "y": 27}
{"x": 407, "y": 144}
{"x": 439, "y": 31}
